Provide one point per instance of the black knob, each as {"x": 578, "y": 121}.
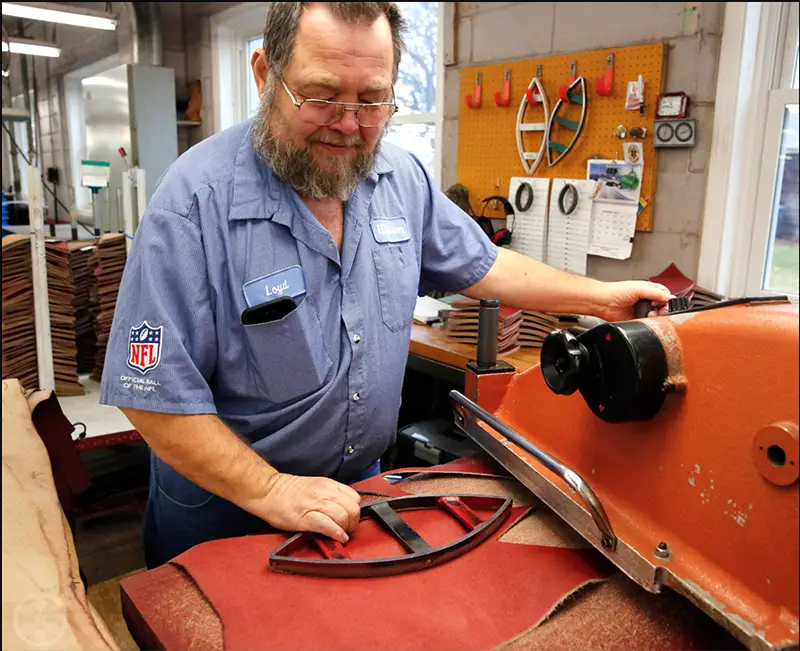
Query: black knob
{"x": 563, "y": 362}
{"x": 678, "y": 304}
{"x": 642, "y": 308}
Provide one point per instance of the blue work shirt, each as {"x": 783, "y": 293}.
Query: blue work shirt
{"x": 318, "y": 391}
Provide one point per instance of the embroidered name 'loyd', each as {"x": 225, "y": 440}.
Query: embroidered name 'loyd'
{"x": 388, "y": 231}
{"x": 277, "y": 289}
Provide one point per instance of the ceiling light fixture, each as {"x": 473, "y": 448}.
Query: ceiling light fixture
{"x": 60, "y": 13}
{"x": 29, "y": 46}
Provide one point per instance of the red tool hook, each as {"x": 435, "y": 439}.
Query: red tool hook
{"x": 573, "y": 75}
{"x": 506, "y": 98}
{"x": 476, "y": 102}
{"x": 603, "y": 84}
{"x": 529, "y": 91}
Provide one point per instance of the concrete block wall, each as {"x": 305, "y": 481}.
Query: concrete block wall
{"x": 494, "y": 32}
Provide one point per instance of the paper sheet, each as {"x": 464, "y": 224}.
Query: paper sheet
{"x": 613, "y": 229}
{"x": 568, "y": 235}
{"x": 530, "y": 227}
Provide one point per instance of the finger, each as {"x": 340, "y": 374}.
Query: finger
{"x": 657, "y": 293}
{"x": 335, "y": 511}
{"x": 320, "y": 523}
{"x": 350, "y": 508}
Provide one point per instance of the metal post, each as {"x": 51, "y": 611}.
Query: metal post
{"x": 41, "y": 302}
{"x": 127, "y": 209}
{"x": 96, "y": 213}
{"x": 488, "y": 317}
{"x": 141, "y": 196}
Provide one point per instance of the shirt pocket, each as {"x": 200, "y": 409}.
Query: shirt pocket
{"x": 398, "y": 280}
{"x": 289, "y": 354}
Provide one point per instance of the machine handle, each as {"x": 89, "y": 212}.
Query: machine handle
{"x": 584, "y": 491}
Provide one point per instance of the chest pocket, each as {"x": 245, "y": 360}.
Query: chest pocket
{"x": 289, "y": 355}
{"x": 398, "y": 281}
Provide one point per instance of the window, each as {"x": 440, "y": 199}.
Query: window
{"x": 775, "y": 255}
{"x": 416, "y": 126}
{"x": 749, "y": 244}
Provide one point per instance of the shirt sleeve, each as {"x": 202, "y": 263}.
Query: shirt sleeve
{"x": 456, "y": 253}
{"x": 162, "y": 347}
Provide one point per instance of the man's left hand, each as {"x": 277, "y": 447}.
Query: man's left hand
{"x": 620, "y": 298}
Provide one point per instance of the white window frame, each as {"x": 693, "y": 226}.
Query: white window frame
{"x": 437, "y": 115}
{"x": 756, "y": 62}
{"x": 231, "y": 30}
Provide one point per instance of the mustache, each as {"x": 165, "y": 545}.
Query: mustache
{"x": 342, "y": 140}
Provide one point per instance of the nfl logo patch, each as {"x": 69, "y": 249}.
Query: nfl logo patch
{"x": 144, "y": 348}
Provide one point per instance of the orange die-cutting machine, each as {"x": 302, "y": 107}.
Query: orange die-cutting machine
{"x": 670, "y": 443}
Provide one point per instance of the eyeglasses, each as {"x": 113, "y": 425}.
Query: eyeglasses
{"x": 322, "y": 112}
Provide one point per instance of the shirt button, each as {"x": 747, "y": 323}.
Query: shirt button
{"x": 356, "y": 338}
{"x": 350, "y": 449}
{"x": 356, "y": 397}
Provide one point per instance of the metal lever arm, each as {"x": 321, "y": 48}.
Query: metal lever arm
{"x": 584, "y": 491}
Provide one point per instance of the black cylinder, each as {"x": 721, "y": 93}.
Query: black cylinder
{"x": 488, "y": 318}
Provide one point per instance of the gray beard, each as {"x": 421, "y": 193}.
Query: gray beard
{"x": 297, "y": 168}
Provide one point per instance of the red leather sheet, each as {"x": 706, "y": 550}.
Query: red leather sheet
{"x": 476, "y": 601}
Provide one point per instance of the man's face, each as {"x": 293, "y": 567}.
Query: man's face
{"x": 331, "y": 60}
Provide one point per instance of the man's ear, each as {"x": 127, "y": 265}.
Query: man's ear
{"x": 259, "y": 65}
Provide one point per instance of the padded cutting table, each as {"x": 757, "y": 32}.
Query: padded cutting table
{"x": 165, "y": 609}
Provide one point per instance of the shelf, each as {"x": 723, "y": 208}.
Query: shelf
{"x": 188, "y": 123}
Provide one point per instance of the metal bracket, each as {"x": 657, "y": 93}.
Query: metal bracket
{"x": 608, "y": 540}
{"x": 338, "y": 563}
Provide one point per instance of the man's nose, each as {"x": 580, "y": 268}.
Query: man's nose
{"x": 347, "y": 123}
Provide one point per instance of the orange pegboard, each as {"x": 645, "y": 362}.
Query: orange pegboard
{"x": 487, "y": 145}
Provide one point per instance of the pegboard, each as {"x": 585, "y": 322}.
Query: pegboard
{"x": 487, "y": 148}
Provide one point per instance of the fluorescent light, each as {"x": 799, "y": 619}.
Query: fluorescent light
{"x": 29, "y": 46}
{"x": 57, "y": 13}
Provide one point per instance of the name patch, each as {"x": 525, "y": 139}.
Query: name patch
{"x": 286, "y": 282}
{"x": 390, "y": 230}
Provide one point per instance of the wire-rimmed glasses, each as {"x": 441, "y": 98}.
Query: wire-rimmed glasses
{"x": 322, "y": 112}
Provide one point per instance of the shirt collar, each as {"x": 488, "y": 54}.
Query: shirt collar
{"x": 258, "y": 193}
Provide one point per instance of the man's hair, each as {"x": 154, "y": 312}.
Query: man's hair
{"x": 283, "y": 22}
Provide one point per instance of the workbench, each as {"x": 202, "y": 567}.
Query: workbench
{"x": 431, "y": 352}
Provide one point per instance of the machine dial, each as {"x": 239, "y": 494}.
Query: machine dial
{"x": 665, "y": 132}
{"x": 683, "y": 132}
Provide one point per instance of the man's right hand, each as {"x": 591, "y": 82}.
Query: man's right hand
{"x": 316, "y": 504}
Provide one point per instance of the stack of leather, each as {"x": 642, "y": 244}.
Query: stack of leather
{"x": 682, "y": 286}
{"x": 461, "y": 324}
{"x": 85, "y": 337}
{"x": 537, "y": 325}
{"x": 19, "y": 325}
{"x": 61, "y": 293}
{"x": 108, "y": 262}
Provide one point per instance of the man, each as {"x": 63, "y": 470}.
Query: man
{"x": 266, "y": 421}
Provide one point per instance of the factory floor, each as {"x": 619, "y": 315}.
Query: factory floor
{"x": 108, "y": 529}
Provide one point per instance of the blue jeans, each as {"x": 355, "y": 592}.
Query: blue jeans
{"x": 181, "y": 515}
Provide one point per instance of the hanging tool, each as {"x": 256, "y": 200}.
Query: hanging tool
{"x": 475, "y": 101}
{"x": 577, "y": 127}
{"x": 505, "y": 100}
{"x": 530, "y": 160}
{"x": 603, "y": 85}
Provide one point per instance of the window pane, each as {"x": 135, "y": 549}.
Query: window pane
{"x": 416, "y": 138}
{"x": 782, "y": 272}
{"x": 252, "y": 90}
{"x": 416, "y": 81}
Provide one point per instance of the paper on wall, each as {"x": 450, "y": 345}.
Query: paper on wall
{"x": 568, "y": 235}
{"x": 530, "y": 227}
{"x": 613, "y": 229}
